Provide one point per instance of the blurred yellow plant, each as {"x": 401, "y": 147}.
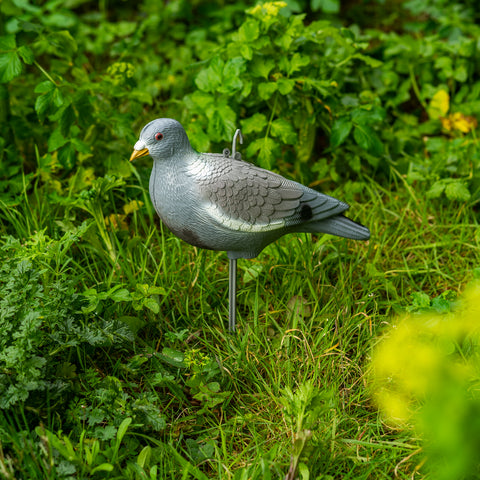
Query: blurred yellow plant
{"x": 116, "y": 221}
{"x": 453, "y": 122}
{"x": 439, "y": 105}
{"x": 425, "y": 374}
{"x": 459, "y": 122}
{"x": 132, "y": 206}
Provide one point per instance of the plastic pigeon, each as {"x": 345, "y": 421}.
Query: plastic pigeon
{"x": 219, "y": 202}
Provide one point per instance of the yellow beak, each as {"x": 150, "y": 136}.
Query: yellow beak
{"x": 139, "y": 153}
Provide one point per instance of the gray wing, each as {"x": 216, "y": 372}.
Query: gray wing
{"x": 245, "y": 197}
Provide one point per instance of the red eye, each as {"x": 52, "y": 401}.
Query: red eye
{"x": 158, "y": 136}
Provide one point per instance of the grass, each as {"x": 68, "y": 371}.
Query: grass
{"x": 310, "y": 310}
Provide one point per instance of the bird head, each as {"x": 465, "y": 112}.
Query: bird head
{"x": 161, "y": 138}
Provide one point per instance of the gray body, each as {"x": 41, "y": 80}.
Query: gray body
{"x": 221, "y": 203}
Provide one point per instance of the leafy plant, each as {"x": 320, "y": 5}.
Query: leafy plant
{"x": 287, "y": 78}
{"x": 203, "y": 381}
{"x": 41, "y": 321}
{"x": 432, "y": 93}
{"x": 303, "y": 410}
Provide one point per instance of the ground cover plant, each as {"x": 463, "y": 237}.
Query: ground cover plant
{"x": 114, "y": 356}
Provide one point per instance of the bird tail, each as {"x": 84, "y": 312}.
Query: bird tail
{"x": 340, "y": 226}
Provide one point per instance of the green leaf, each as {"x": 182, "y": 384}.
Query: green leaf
{"x": 66, "y": 120}
{"x": 445, "y": 64}
{"x": 26, "y": 54}
{"x": 42, "y": 104}
{"x": 80, "y": 146}
{"x": 327, "y": 6}
{"x": 121, "y": 295}
{"x": 461, "y": 73}
{"x": 285, "y": 85}
{"x": 252, "y": 272}
{"x": 56, "y": 140}
{"x": 210, "y": 79}
{"x": 47, "y": 102}
{"x": 122, "y": 429}
{"x": 151, "y": 304}
{"x": 63, "y": 43}
{"x": 340, "y": 130}
{"x": 44, "y": 87}
{"x": 231, "y": 81}
{"x": 142, "y": 288}
{"x": 143, "y": 458}
{"x": 256, "y": 123}
{"x": 154, "y": 290}
{"x": 282, "y": 129}
{"x": 323, "y": 86}
{"x": 173, "y": 357}
{"x": 58, "y": 97}
{"x": 103, "y": 467}
{"x": 366, "y": 138}
{"x": 10, "y": 66}
{"x": 8, "y": 42}
{"x": 246, "y": 51}
{"x": 202, "y": 99}
{"x": 347, "y": 33}
{"x": 261, "y": 67}
{"x": 266, "y": 89}
{"x": 222, "y": 121}
{"x": 436, "y": 189}
{"x": 264, "y": 148}
{"x": 284, "y": 41}
{"x": 199, "y": 139}
{"x": 306, "y": 137}
{"x": 248, "y": 31}
{"x": 457, "y": 190}
{"x": 368, "y": 115}
{"x": 27, "y": 6}
{"x": 297, "y": 62}
{"x": 67, "y": 156}
{"x": 133, "y": 323}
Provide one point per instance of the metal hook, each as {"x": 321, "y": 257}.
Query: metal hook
{"x": 234, "y": 142}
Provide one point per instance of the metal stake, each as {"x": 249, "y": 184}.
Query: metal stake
{"x": 232, "y": 271}
{"x": 232, "y": 295}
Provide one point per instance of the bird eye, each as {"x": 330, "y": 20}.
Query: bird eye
{"x": 158, "y": 136}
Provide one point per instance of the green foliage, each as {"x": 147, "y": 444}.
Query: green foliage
{"x": 284, "y": 76}
{"x": 431, "y": 145}
{"x": 88, "y": 457}
{"x": 303, "y": 410}
{"x": 41, "y": 321}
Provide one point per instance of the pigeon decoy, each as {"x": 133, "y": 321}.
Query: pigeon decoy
{"x": 220, "y": 202}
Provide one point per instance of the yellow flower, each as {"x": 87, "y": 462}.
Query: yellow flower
{"x": 459, "y": 122}
{"x": 269, "y": 9}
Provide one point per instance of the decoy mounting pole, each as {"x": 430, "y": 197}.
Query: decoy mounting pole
{"x": 232, "y": 283}
{"x": 232, "y": 295}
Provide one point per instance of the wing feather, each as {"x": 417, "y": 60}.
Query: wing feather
{"x": 245, "y": 197}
